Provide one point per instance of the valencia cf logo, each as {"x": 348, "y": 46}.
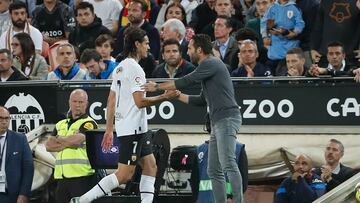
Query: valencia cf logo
{"x": 26, "y": 113}
{"x": 340, "y": 12}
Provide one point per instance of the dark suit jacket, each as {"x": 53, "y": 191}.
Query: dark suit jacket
{"x": 230, "y": 53}
{"x": 19, "y": 167}
{"x": 344, "y": 174}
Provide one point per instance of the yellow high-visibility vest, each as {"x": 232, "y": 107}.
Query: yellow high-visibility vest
{"x": 72, "y": 162}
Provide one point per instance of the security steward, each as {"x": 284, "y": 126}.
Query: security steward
{"x": 73, "y": 172}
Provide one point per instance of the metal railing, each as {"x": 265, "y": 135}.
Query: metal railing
{"x": 342, "y": 193}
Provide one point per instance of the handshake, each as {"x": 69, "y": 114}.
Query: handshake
{"x": 168, "y": 94}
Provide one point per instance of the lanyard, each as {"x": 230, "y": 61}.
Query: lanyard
{"x": 2, "y": 152}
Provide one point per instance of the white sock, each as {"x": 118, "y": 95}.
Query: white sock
{"x": 103, "y": 187}
{"x": 147, "y": 189}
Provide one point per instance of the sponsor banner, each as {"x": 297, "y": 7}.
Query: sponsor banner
{"x": 261, "y": 104}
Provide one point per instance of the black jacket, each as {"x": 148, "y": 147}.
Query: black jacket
{"x": 84, "y": 37}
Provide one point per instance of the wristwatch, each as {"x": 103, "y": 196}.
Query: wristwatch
{"x": 157, "y": 86}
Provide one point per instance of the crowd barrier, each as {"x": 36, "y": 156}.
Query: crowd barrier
{"x": 263, "y": 101}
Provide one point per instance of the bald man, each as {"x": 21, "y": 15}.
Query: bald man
{"x": 303, "y": 186}
{"x": 72, "y": 167}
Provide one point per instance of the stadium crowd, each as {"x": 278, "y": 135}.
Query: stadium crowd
{"x": 289, "y": 38}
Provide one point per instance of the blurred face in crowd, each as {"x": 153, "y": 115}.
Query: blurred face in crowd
{"x": 221, "y": 31}
{"x": 248, "y": 53}
{"x": 295, "y": 64}
{"x": 66, "y": 56}
{"x": 4, "y": 5}
{"x": 172, "y": 55}
{"x": 223, "y": 7}
{"x": 85, "y": 17}
{"x": 78, "y": 102}
{"x": 18, "y": 18}
{"x": 15, "y": 47}
{"x": 135, "y": 15}
{"x": 105, "y": 50}
{"x": 262, "y": 6}
{"x": 143, "y": 47}
{"x": 167, "y": 33}
{"x": 5, "y": 63}
{"x": 174, "y": 12}
{"x": 335, "y": 56}
{"x": 333, "y": 153}
{"x": 4, "y": 118}
{"x": 93, "y": 67}
{"x": 193, "y": 53}
{"x": 303, "y": 164}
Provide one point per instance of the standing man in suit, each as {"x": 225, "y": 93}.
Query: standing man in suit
{"x": 16, "y": 163}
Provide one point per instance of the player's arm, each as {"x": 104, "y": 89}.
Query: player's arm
{"x": 141, "y": 101}
{"x": 110, "y": 113}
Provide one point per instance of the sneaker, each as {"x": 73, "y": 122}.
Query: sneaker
{"x": 75, "y": 200}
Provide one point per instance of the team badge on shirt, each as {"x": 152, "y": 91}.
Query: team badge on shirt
{"x": 88, "y": 126}
{"x": 138, "y": 80}
{"x": 133, "y": 158}
{"x": 290, "y": 14}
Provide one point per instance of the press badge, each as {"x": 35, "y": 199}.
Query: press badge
{"x": 2, "y": 181}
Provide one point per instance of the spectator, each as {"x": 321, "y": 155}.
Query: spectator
{"x": 136, "y": 15}
{"x": 16, "y": 165}
{"x": 151, "y": 13}
{"x": 223, "y": 8}
{"x": 18, "y": 14}
{"x": 7, "y": 71}
{"x": 202, "y": 15}
{"x": 283, "y": 21}
{"x": 5, "y": 20}
{"x": 109, "y": 12}
{"x": 225, "y": 46}
{"x": 245, "y": 34}
{"x": 89, "y": 27}
{"x": 254, "y": 23}
{"x": 68, "y": 69}
{"x": 175, "y": 29}
{"x": 200, "y": 181}
{"x": 248, "y": 67}
{"x": 73, "y": 172}
{"x": 54, "y": 19}
{"x": 337, "y": 66}
{"x": 176, "y": 10}
{"x": 295, "y": 64}
{"x": 333, "y": 173}
{"x": 174, "y": 66}
{"x": 33, "y": 65}
{"x": 98, "y": 68}
{"x": 303, "y": 186}
{"x": 336, "y": 21}
{"x": 104, "y": 44}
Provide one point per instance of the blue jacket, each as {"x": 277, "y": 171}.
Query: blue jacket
{"x": 305, "y": 190}
{"x": 105, "y": 74}
{"x": 19, "y": 167}
{"x": 287, "y": 16}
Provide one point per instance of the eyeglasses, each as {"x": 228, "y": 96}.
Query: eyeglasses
{"x": 4, "y": 118}
{"x": 15, "y": 44}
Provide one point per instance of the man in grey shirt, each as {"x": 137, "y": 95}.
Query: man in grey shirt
{"x": 218, "y": 93}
